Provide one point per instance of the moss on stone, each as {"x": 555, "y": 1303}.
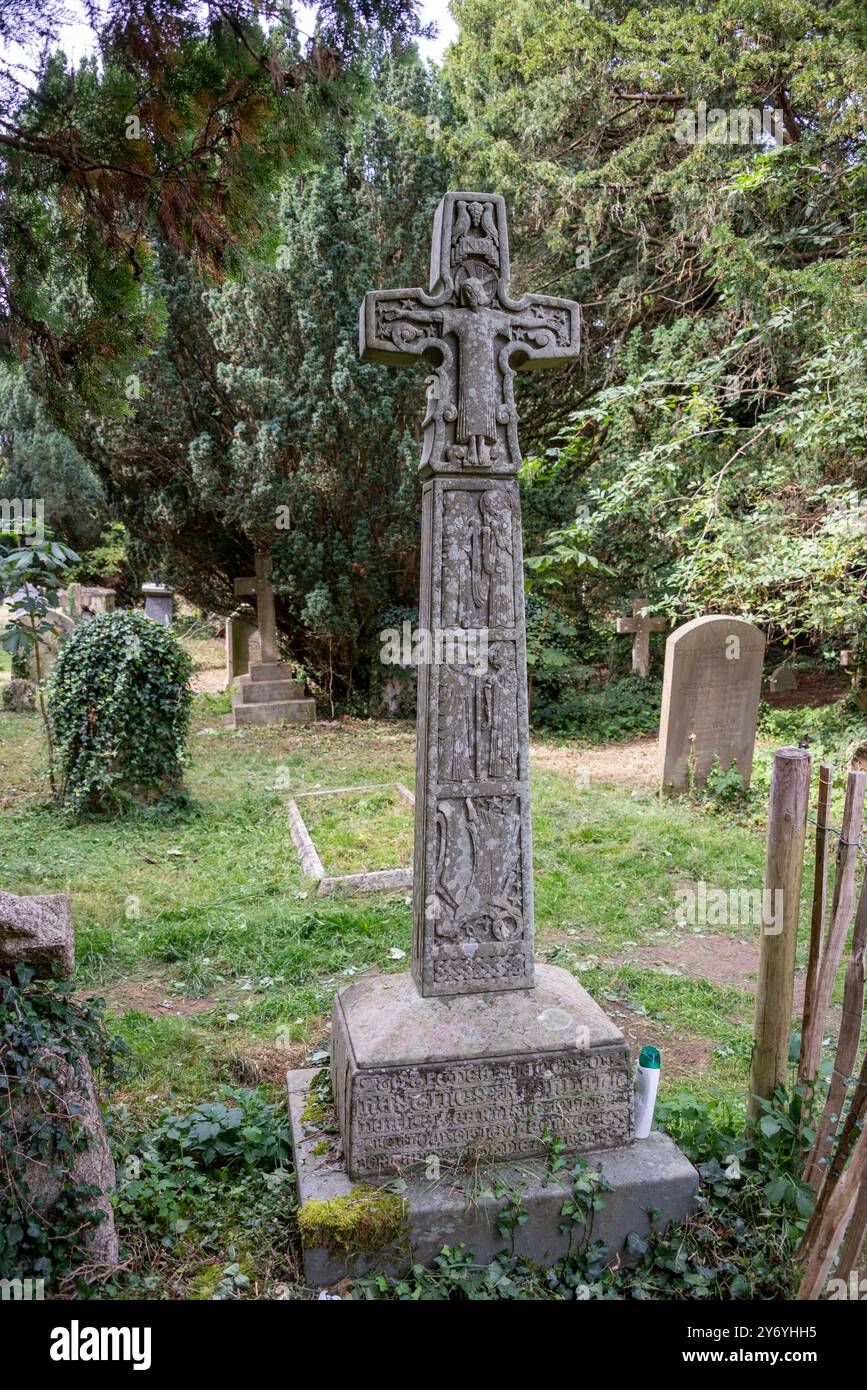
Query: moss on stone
{"x": 362, "y": 1222}
{"x": 318, "y": 1109}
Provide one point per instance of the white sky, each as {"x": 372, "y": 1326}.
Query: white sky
{"x": 76, "y": 38}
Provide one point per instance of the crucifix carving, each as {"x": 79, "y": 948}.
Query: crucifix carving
{"x": 474, "y": 334}
{"x": 473, "y": 888}
{"x": 641, "y": 627}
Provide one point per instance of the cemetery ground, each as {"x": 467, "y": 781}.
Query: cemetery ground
{"x": 218, "y": 962}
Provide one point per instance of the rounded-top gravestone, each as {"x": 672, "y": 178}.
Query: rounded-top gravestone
{"x": 710, "y": 699}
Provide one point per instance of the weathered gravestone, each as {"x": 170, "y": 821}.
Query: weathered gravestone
{"x": 38, "y": 932}
{"x": 267, "y": 693}
{"x": 782, "y": 680}
{"x": 641, "y": 625}
{"x": 242, "y": 646}
{"x": 159, "y": 603}
{"x": 478, "y": 1055}
{"x": 710, "y": 699}
{"x": 86, "y": 601}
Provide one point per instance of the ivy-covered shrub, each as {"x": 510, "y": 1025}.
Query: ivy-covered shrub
{"x": 119, "y": 699}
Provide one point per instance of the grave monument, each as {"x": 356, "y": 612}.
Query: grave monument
{"x": 159, "y": 603}
{"x": 710, "y": 699}
{"x": 267, "y": 692}
{"x": 478, "y": 1056}
{"x": 641, "y": 628}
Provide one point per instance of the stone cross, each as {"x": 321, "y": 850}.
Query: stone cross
{"x": 266, "y": 616}
{"x": 473, "y": 892}
{"x": 642, "y": 628}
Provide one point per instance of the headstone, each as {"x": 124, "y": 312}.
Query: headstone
{"x": 641, "y": 625}
{"x": 783, "y": 680}
{"x": 91, "y": 601}
{"x": 49, "y": 641}
{"x": 858, "y": 676}
{"x": 159, "y": 603}
{"x": 710, "y": 699}
{"x": 242, "y": 646}
{"x": 478, "y": 1055}
{"x": 38, "y": 932}
{"x": 266, "y": 613}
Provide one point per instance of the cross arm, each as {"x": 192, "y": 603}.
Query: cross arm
{"x": 545, "y": 332}
{"x": 397, "y": 326}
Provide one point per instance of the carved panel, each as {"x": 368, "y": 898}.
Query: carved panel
{"x": 490, "y": 1110}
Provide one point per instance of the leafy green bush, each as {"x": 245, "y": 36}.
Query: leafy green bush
{"x": 201, "y": 1182}
{"x": 837, "y": 732}
{"x": 241, "y": 1129}
{"x": 623, "y": 708}
{"x": 119, "y": 700}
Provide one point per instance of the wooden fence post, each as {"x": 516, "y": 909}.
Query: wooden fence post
{"x": 811, "y": 1027}
{"x": 787, "y": 827}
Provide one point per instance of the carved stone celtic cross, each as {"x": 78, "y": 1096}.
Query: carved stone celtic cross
{"x": 473, "y": 891}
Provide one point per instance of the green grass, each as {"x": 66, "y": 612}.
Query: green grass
{"x": 219, "y": 962}
{"x": 360, "y": 832}
{"x": 210, "y": 902}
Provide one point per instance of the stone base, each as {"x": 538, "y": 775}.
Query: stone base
{"x": 269, "y": 695}
{"x": 475, "y": 1077}
{"x": 460, "y": 1208}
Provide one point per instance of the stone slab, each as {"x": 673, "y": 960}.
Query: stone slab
{"x": 159, "y": 603}
{"x": 310, "y": 862}
{"x": 376, "y": 881}
{"x": 710, "y": 699}
{"x": 461, "y": 1209}
{"x": 475, "y": 1076}
{"x": 278, "y": 712}
{"x": 258, "y": 692}
{"x": 270, "y": 671}
{"x": 242, "y": 646}
{"x": 37, "y": 931}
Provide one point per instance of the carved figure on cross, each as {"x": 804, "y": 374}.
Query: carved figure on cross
{"x": 475, "y": 333}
